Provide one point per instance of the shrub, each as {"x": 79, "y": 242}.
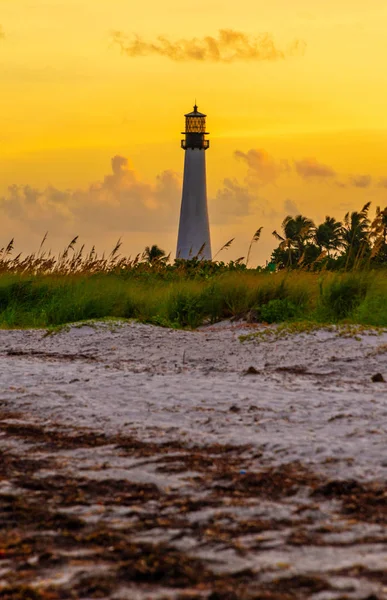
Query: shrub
{"x": 372, "y": 311}
{"x": 27, "y": 293}
{"x": 277, "y": 311}
{"x": 342, "y": 295}
{"x": 213, "y": 303}
{"x": 130, "y": 310}
{"x": 185, "y": 308}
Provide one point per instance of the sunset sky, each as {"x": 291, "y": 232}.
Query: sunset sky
{"x": 93, "y": 95}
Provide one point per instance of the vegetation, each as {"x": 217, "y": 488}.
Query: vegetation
{"x": 355, "y": 243}
{"x": 189, "y": 301}
{"x": 331, "y": 273}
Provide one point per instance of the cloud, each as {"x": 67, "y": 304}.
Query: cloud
{"x": 361, "y": 181}
{"x": 233, "y": 200}
{"x": 228, "y": 46}
{"x": 291, "y": 208}
{"x": 262, "y": 168}
{"x": 383, "y": 182}
{"x": 120, "y": 203}
{"x": 310, "y": 167}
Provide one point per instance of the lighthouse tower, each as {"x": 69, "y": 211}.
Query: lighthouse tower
{"x": 194, "y": 229}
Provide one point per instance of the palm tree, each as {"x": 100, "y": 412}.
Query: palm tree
{"x": 299, "y": 230}
{"x": 283, "y": 256}
{"x": 378, "y": 235}
{"x": 296, "y": 232}
{"x": 379, "y": 225}
{"x": 153, "y": 253}
{"x": 356, "y": 232}
{"x": 383, "y": 216}
{"x": 329, "y": 235}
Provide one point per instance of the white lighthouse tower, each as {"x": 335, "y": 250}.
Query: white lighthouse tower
{"x": 194, "y": 229}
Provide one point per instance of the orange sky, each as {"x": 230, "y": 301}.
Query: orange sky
{"x": 295, "y": 96}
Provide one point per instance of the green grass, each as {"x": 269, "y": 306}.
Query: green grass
{"x": 289, "y": 297}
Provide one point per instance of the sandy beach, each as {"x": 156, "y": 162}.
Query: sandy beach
{"x": 141, "y": 462}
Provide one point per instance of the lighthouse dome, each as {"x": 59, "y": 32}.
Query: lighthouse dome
{"x": 195, "y": 113}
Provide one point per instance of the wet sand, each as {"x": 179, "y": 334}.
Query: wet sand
{"x": 141, "y": 462}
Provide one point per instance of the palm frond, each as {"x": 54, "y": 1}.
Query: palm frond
{"x": 278, "y": 236}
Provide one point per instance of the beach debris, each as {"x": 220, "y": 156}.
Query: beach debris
{"x": 251, "y": 371}
{"x": 295, "y": 369}
{"x": 378, "y": 377}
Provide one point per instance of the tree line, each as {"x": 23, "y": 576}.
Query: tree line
{"x": 355, "y": 242}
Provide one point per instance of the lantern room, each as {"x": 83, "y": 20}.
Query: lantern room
{"x": 195, "y": 130}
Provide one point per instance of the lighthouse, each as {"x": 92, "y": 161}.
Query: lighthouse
{"x": 194, "y": 230}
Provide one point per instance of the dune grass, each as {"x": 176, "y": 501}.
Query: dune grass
{"x": 51, "y": 300}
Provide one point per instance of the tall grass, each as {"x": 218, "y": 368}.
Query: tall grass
{"x": 28, "y": 300}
